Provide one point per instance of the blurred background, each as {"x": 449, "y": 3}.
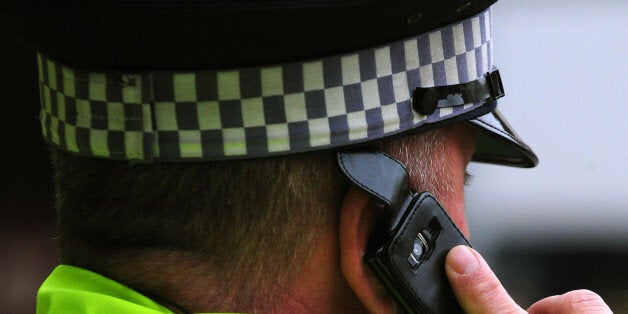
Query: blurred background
{"x": 560, "y": 226}
{"x": 564, "y": 224}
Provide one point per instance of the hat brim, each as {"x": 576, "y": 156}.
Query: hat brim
{"x": 498, "y": 143}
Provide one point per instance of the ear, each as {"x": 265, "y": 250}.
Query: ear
{"x": 357, "y": 218}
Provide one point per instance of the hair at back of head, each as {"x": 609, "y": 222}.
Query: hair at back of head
{"x": 249, "y": 223}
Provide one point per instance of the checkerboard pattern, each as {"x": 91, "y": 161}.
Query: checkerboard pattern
{"x": 260, "y": 111}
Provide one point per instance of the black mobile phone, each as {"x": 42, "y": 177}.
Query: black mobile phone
{"x": 410, "y": 258}
{"x": 412, "y": 236}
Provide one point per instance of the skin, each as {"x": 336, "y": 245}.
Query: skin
{"x": 453, "y": 157}
{"x": 337, "y": 280}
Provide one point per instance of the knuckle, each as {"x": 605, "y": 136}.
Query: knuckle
{"x": 489, "y": 288}
{"x": 580, "y": 300}
{"x": 493, "y": 295}
{"x": 486, "y": 286}
{"x": 485, "y": 281}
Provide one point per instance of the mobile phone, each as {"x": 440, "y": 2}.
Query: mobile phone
{"x": 412, "y": 237}
{"x": 410, "y": 258}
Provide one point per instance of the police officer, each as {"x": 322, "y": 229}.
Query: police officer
{"x": 195, "y": 148}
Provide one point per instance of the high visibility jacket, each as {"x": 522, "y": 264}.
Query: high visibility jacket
{"x": 71, "y": 289}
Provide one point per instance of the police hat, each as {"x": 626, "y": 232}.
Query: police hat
{"x": 215, "y": 80}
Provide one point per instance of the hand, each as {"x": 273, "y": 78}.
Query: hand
{"x": 479, "y": 291}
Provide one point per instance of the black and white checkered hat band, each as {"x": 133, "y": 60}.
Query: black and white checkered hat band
{"x": 259, "y": 111}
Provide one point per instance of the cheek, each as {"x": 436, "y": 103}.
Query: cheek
{"x": 462, "y": 144}
{"x": 455, "y": 210}
{"x": 459, "y": 149}
{"x": 439, "y": 168}
{"x": 444, "y": 178}
{"x": 451, "y": 189}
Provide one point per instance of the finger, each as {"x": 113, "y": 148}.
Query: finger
{"x": 476, "y": 287}
{"x": 578, "y": 301}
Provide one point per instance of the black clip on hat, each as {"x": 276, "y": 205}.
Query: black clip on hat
{"x": 244, "y": 80}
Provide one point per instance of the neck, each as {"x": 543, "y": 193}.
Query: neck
{"x": 321, "y": 286}
{"x": 184, "y": 282}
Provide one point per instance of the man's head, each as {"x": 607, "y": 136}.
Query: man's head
{"x": 228, "y": 177}
{"x": 255, "y": 225}
{"x": 248, "y": 224}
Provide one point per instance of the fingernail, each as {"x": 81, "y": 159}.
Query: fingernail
{"x": 462, "y": 261}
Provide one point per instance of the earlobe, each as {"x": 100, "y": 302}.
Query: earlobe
{"x": 357, "y": 218}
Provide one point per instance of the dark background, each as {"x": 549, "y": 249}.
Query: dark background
{"x": 27, "y": 251}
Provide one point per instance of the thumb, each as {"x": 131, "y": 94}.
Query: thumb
{"x": 475, "y": 285}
